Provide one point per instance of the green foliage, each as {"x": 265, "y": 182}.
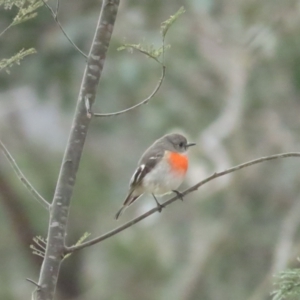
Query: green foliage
{"x": 150, "y": 50}
{"x": 39, "y": 247}
{"x": 288, "y": 283}
{"x": 8, "y": 4}
{"x": 165, "y": 26}
{"x": 79, "y": 242}
{"x": 7, "y": 63}
{"x": 27, "y": 11}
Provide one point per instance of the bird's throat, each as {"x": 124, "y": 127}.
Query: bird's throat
{"x": 179, "y": 162}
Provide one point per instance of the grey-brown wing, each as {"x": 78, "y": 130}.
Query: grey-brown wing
{"x": 155, "y": 152}
{"x": 148, "y": 161}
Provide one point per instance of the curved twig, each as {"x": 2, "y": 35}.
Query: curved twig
{"x": 186, "y": 192}
{"x": 55, "y": 17}
{"x": 21, "y": 176}
{"x": 145, "y": 101}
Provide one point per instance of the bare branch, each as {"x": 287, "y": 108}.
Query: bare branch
{"x": 145, "y": 101}
{"x": 4, "y": 30}
{"x": 55, "y": 17}
{"x": 21, "y": 176}
{"x": 67, "y": 176}
{"x": 33, "y": 282}
{"x": 186, "y": 192}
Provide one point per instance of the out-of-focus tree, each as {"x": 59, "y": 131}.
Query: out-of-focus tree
{"x": 232, "y": 84}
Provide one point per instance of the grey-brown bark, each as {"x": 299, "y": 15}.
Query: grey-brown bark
{"x": 67, "y": 177}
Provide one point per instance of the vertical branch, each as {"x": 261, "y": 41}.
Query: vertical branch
{"x": 66, "y": 181}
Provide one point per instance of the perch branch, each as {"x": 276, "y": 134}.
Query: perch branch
{"x": 186, "y": 192}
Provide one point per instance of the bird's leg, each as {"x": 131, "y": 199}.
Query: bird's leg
{"x": 179, "y": 194}
{"x": 159, "y": 206}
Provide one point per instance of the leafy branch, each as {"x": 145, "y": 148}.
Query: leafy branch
{"x": 26, "y": 10}
{"x": 166, "y": 25}
{"x": 288, "y": 285}
{"x": 153, "y": 53}
{"x": 39, "y": 246}
{"x": 79, "y": 242}
{"x": 7, "y": 63}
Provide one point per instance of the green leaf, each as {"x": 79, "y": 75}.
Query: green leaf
{"x": 79, "y": 242}
{"x": 165, "y": 26}
{"x": 8, "y": 4}
{"x": 145, "y": 49}
{"x": 288, "y": 285}
{"x": 27, "y": 11}
{"x": 7, "y": 63}
{"x": 151, "y": 51}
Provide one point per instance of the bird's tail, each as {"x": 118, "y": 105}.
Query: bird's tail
{"x": 120, "y": 211}
{"x": 128, "y": 201}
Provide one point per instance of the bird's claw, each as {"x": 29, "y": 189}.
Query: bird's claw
{"x": 179, "y": 194}
{"x": 160, "y": 207}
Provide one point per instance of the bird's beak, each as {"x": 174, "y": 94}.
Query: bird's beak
{"x": 190, "y": 144}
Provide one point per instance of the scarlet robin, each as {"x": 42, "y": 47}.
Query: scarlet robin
{"x": 160, "y": 170}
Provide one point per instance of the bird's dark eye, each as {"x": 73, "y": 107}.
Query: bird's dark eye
{"x": 181, "y": 145}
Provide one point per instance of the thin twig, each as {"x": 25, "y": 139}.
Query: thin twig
{"x": 60, "y": 26}
{"x": 4, "y": 30}
{"x": 40, "y": 242}
{"x": 186, "y": 192}
{"x": 21, "y": 176}
{"x": 57, "y": 7}
{"x": 33, "y": 282}
{"x": 39, "y": 253}
{"x": 145, "y": 101}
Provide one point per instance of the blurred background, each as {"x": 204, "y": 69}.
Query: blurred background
{"x": 232, "y": 86}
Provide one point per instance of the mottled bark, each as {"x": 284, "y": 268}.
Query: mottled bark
{"x": 66, "y": 181}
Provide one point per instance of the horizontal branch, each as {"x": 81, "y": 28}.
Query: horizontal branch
{"x": 21, "y": 176}
{"x": 186, "y": 192}
{"x": 145, "y": 101}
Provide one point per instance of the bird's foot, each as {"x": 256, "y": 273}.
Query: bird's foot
{"x": 159, "y": 206}
{"x": 179, "y": 194}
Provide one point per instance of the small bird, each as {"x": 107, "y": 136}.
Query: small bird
{"x": 160, "y": 170}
